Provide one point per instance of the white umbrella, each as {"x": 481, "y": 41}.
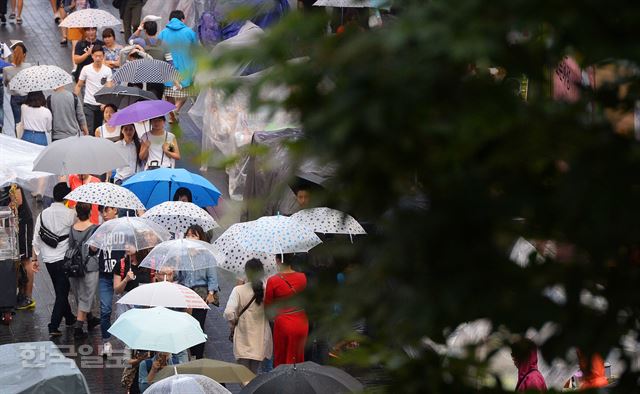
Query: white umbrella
{"x": 183, "y": 255}
{"x": 353, "y": 3}
{"x": 106, "y": 194}
{"x": 128, "y": 234}
{"x": 16, "y": 163}
{"x": 236, "y": 257}
{"x": 167, "y": 294}
{"x": 79, "y": 155}
{"x": 158, "y": 329}
{"x": 187, "y": 383}
{"x": 277, "y": 235}
{"x": 90, "y": 18}
{"x": 177, "y": 216}
{"x": 328, "y": 221}
{"x": 40, "y": 78}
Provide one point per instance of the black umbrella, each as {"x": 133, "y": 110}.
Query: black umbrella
{"x": 122, "y": 96}
{"x": 304, "y": 378}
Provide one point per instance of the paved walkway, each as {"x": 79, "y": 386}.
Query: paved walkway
{"x": 41, "y": 36}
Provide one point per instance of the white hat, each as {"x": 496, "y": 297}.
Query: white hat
{"x": 5, "y": 52}
{"x": 151, "y": 18}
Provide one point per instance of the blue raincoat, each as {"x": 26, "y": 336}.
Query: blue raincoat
{"x": 180, "y": 39}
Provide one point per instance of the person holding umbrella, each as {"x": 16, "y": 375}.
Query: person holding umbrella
{"x": 159, "y": 147}
{"x": 204, "y": 282}
{"x": 130, "y": 144}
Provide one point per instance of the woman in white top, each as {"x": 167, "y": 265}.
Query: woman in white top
{"x": 252, "y": 341}
{"x": 106, "y": 131}
{"x": 130, "y": 145}
{"x": 36, "y": 119}
{"x": 159, "y": 147}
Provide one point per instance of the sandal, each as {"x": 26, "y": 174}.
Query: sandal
{"x": 12, "y": 16}
{"x": 19, "y": 20}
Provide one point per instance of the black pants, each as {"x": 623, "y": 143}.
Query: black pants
{"x": 61, "y": 307}
{"x": 200, "y": 315}
{"x": 94, "y": 117}
{"x": 3, "y": 6}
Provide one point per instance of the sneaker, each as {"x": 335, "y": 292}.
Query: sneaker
{"x": 79, "y": 333}
{"x": 93, "y": 322}
{"x": 107, "y": 350}
{"x": 55, "y": 333}
{"x": 27, "y": 303}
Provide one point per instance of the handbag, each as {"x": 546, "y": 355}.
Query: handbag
{"x": 128, "y": 375}
{"x": 48, "y": 237}
{"x": 235, "y": 321}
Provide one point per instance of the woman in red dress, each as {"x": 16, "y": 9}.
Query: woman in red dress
{"x": 291, "y": 326}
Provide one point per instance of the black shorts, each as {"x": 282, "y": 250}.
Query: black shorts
{"x": 25, "y": 238}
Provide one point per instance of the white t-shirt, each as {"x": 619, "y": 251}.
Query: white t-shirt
{"x": 155, "y": 149}
{"x": 94, "y": 81}
{"x": 36, "y": 119}
{"x": 129, "y": 153}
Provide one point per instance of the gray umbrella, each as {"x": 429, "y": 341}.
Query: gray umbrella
{"x": 304, "y": 378}
{"x": 79, "y": 155}
{"x": 122, "y": 96}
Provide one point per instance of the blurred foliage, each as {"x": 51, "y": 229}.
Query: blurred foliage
{"x": 399, "y": 111}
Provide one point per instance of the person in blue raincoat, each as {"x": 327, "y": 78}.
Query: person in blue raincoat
{"x": 181, "y": 40}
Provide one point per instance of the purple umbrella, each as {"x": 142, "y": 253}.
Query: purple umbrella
{"x": 141, "y": 111}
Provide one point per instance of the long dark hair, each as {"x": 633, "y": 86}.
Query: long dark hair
{"x": 255, "y": 272}
{"x": 36, "y": 99}
{"x": 136, "y": 139}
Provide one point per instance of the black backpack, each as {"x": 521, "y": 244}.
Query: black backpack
{"x": 74, "y": 262}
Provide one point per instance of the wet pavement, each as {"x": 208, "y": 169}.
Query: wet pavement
{"x": 41, "y": 36}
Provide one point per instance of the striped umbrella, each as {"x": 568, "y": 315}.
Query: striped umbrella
{"x": 146, "y": 70}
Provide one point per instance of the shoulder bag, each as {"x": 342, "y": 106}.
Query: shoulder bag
{"x": 235, "y": 322}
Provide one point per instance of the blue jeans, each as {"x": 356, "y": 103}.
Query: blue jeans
{"x": 16, "y": 102}
{"x": 36, "y": 137}
{"x": 106, "y": 299}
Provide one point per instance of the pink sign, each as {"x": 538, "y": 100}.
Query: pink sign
{"x": 567, "y": 79}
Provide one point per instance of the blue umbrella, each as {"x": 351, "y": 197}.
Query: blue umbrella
{"x": 154, "y": 187}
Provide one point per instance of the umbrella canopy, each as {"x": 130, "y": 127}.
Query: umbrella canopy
{"x": 105, "y": 194}
{"x": 236, "y": 256}
{"x": 177, "y": 216}
{"x": 167, "y": 294}
{"x": 277, "y": 234}
{"x": 220, "y": 371}
{"x": 304, "y": 378}
{"x": 16, "y": 163}
{"x": 353, "y": 3}
{"x": 183, "y": 255}
{"x": 146, "y": 71}
{"x": 122, "y": 96}
{"x": 157, "y": 186}
{"x": 192, "y": 384}
{"x": 37, "y": 78}
{"x": 79, "y": 155}
{"x": 158, "y": 329}
{"x": 90, "y": 18}
{"x": 328, "y": 221}
{"x": 141, "y": 111}
{"x": 128, "y": 234}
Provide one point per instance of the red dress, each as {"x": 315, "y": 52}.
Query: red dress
{"x": 291, "y": 325}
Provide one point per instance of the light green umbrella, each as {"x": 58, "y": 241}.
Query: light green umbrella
{"x": 220, "y": 371}
{"x": 158, "y": 329}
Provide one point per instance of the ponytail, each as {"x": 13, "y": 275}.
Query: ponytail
{"x": 255, "y": 272}
{"x": 19, "y": 54}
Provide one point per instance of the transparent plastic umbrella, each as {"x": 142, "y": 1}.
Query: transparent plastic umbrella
{"x": 167, "y": 294}
{"x": 128, "y": 234}
{"x": 192, "y": 384}
{"x": 177, "y": 216}
{"x": 236, "y": 256}
{"x": 106, "y": 194}
{"x": 183, "y": 255}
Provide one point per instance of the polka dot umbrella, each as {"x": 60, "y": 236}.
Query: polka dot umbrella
{"x": 328, "y": 221}
{"x": 177, "y": 216}
{"x": 36, "y": 78}
{"x": 236, "y": 256}
{"x": 277, "y": 235}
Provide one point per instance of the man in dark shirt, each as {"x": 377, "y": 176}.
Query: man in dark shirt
{"x": 84, "y": 48}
